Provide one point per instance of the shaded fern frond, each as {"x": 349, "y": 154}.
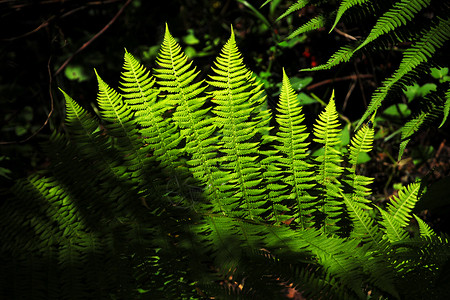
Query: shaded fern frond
{"x": 446, "y": 107}
{"x": 421, "y": 51}
{"x": 294, "y": 7}
{"x": 342, "y": 55}
{"x": 400, "y": 13}
{"x": 313, "y": 24}
{"x": 344, "y": 6}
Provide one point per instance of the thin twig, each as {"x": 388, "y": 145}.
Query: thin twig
{"x": 327, "y": 81}
{"x": 361, "y": 87}
{"x": 44, "y": 24}
{"x": 93, "y": 38}
{"x": 49, "y": 114}
{"x": 350, "y": 37}
{"x": 350, "y": 90}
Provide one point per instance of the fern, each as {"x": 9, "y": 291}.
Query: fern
{"x": 182, "y": 189}
{"x": 329, "y": 169}
{"x": 239, "y": 116}
{"x": 315, "y": 23}
{"x": 400, "y": 22}
{"x": 292, "y": 137}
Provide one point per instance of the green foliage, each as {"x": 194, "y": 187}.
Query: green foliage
{"x": 183, "y": 189}
{"x": 395, "y": 22}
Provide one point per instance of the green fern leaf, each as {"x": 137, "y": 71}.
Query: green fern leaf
{"x": 177, "y": 77}
{"x": 360, "y": 143}
{"x": 239, "y": 116}
{"x": 364, "y": 226}
{"x": 424, "y": 229}
{"x": 296, "y": 6}
{"x": 400, "y": 207}
{"x": 121, "y": 125}
{"x": 313, "y": 24}
{"x": 292, "y": 137}
{"x": 446, "y": 107}
{"x": 392, "y": 227}
{"x": 342, "y": 55}
{"x": 326, "y": 132}
{"x": 344, "y": 6}
{"x": 401, "y": 12}
{"x": 419, "y": 53}
{"x": 409, "y": 129}
{"x": 140, "y": 95}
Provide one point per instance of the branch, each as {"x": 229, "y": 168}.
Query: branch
{"x": 94, "y": 37}
{"x": 349, "y": 77}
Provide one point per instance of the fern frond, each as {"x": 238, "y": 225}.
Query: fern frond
{"x": 399, "y": 212}
{"x": 296, "y": 6}
{"x": 313, "y": 24}
{"x": 342, "y": 55}
{"x": 400, "y": 13}
{"x": 361, "y": 143}
{"x": 326, "y": 132}
{"x": 176, "y": 76}
{"x": 400, "y": 207}
{"x": 89, "y": 139}
{"x": 239, "y": 116}
{"x": 424, "y": 229}
{"x": 292, "y": 137}
{"x": 446, "y": 109}
{"x": 393, "y": 230}
{"x": 121, "y": 125}
{"x": 140, "y": 94}
{"x": 419, "y": 53}
{"x": 431, "y": 110}
{"x": 364, "y": 226}
{"x": 344, "y": 6}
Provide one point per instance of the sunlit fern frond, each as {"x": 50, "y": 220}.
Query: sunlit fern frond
{"x": 176, "y": 76}
{"x": 120, "y": 124}
{"x": 424, "y": 229}
{"x": 361, "y": 143}
{"x": 400, "y": 207}
{"x": 292, "y": 137}
{"x": 239, "y": 116}
{"x": 326, "y": 132}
